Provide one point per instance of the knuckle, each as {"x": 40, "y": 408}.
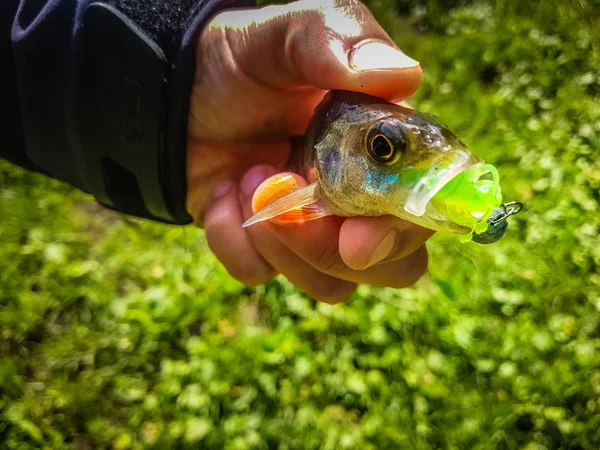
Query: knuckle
{"x": 217, "y": 219}
{"x": 331, "y": 291}
{"x": 251, "y": 277}
{"x": 328, "y": 259}
{"x": 415, "y": 267}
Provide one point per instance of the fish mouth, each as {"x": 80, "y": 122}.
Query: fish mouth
{"x": 457, "y": 193}
{"x": 441, "y": 172}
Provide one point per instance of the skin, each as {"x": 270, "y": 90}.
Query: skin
{"x": 246, "y": 105}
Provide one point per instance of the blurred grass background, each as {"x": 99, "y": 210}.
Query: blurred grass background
{"x": 122, "y": 334}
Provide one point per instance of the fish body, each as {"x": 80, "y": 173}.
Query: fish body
{"x": 364, "y": 156}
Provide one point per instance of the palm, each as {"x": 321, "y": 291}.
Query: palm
{"x": 238, "y": 123}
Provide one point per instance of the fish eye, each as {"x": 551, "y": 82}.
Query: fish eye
{"x": 381, "y": 148}
{"x": 384, "y": 143}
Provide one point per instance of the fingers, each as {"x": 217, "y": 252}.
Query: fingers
{"x": 229, "y": 241}
{"x": 383, "y": 251}
{"x": 253, "y": 255}
{"x": 324, "y": 44}
{"x": 324, "y": 258}
{"x": 318, "y": 243}
{"x": 303, "y": 275}
{"x": 209, "y": 163}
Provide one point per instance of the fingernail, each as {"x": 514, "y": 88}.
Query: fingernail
{"x": 384, "y": 248}
{"x": 373, "y": 55}
{"x": 253, "y": 178}
{"x": 222, "y": 189}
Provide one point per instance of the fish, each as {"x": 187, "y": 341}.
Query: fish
{"x": 364, "y": 156}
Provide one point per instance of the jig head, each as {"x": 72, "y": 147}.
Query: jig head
{"x": 497, "y": 223}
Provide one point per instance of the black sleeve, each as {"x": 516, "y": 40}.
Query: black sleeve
{"x": 97, "y": 94}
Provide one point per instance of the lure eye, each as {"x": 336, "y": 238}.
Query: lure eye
{"x": 385, "y": 143}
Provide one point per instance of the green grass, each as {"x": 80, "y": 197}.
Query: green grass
{"x": 126, "y": 334}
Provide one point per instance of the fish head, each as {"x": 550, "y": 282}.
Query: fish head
{"x": 375, "y": 158}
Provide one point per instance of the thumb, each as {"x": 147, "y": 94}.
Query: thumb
{"x": 323, "y": 44}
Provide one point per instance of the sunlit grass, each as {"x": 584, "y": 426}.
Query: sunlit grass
{"x": 129, "y": 334}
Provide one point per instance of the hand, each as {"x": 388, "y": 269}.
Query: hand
{"x": 260, "y": 74}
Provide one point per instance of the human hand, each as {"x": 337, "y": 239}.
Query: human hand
{"x": 260, "y": 74}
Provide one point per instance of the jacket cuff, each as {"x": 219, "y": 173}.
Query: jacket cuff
{"x": 130, "y": 104}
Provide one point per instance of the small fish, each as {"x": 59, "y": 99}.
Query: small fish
{"x": 363, "y": 156}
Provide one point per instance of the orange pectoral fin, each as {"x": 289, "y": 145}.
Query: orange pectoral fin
{"x": 286, "y": 198}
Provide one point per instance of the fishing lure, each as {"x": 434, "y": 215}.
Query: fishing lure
{"x": 363, "y": 156}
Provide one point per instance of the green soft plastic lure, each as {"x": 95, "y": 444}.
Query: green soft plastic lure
{"x": 363, "y": 156}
